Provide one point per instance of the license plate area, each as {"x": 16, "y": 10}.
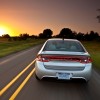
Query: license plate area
{"x": 64, "y": 76}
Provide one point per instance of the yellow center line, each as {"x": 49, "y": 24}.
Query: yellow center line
{"x": 22, "y": 85}
{"x": 10, "y": 83}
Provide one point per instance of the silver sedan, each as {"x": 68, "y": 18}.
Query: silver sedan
{"x": 63, "y": 59}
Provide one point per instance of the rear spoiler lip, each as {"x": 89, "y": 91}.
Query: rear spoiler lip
{"x": 63, "y": 53}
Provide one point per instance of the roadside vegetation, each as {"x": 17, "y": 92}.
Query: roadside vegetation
{"x": 8, "y": 47}
{"x": 93, "y": 48}
{"x": 91, "y": 41}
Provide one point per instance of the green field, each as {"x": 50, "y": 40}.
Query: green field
{"x": 94, "y": 49}
{"x": 7, "y": 47}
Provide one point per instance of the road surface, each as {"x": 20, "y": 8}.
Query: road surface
{"x": 17, "y": 81}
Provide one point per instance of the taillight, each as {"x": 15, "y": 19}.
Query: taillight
{"x": 81, "y": 59}
{"x": 86, "y": 60}
{"x": 42, "y": 58}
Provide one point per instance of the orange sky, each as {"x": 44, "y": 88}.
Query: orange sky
{"x": 33, "y": 16}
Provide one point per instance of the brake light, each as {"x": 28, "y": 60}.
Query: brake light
{"x": 81, "y": 59}
{"x": 86, "y": 60}
{"x": 42, "y": 58}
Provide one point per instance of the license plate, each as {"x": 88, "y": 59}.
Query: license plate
{"x": 65, "y": 76}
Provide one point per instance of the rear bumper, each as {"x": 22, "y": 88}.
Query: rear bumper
{"x": 42, "y": 72}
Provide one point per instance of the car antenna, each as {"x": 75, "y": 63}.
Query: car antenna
{"x": 63, "y": 38}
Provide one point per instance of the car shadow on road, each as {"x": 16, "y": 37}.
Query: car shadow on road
{"x": 72, "y": 81}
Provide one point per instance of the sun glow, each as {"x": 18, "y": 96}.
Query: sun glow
{"x": 6, "y": 29}
{"x": 2, "y": 31}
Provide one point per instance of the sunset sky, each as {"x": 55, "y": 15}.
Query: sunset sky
{"x": 33, "y": 16}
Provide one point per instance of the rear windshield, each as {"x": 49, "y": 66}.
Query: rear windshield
{"x": 63, "y": 45}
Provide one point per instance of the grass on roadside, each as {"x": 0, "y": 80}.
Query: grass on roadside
{"x": 7, "y": 48}
{"x": 94, "y": 49}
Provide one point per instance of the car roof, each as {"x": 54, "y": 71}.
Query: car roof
{"x": 61, "y": 39}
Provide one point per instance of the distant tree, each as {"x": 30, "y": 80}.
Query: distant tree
{"x": 93, "y": 35}
{"x": 66, "y": 33}
{"x": 41, "y": 35}
{"x": 80, "y": 36}
{"x": 96, "y": 36}
{"x": 86, "y": 36}
{"x": 24, "y": 36}
{"x": 33, "y": 36}
{"x": 15, "y": 38}
{"x": 74, "y": 34}
{"x": 47, "y": 33}
{"x": 56, "y": 36}
{"x": 6, "y": 36}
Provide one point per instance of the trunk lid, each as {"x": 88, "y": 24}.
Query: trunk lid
{"x": 70, "y": 61}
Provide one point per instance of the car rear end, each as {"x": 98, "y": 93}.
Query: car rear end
{"x": 63, "y": 64}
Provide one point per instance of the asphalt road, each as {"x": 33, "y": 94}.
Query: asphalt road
{"x": 47, "y": 89}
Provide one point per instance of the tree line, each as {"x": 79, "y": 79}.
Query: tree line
{"x": 64, "y": 33}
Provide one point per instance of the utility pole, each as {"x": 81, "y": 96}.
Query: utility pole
{"x": 98, "y": 17}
